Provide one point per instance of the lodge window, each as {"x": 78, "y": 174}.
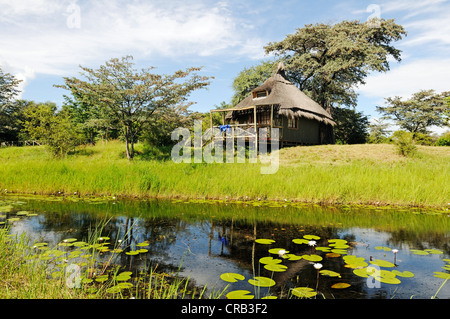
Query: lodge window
{"x": 292, "y": 123}
{"x": 259, "y": 94}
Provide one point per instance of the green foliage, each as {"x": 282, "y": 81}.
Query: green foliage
{"x": 416, "y": 114}
{"x": 8, "y": 88}
{"x": 328, "y": 61}
{"x": 378, "y": 132}
{"x": 351, "y": 126}
{"x": 404, "y": 143}
{"x": 250, "y": 78}
{"x": 444, "y": 140}
{"x": 129, "y": 97}
{"x": 56, "y": 130}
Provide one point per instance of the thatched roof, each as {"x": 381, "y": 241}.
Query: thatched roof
{"x": 292, "y": 102}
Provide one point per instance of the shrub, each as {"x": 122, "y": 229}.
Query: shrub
{"x": 405, "y": 143}
{"x": 444, "y": 140}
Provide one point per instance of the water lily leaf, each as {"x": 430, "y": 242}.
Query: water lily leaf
{"x": 340, "y": 285}
{"x": 143, "y": 244}
{"x": 142, "y": 250}
{"x": 231, "y": 277}
{"x": 125, "y": 273}
{"x": 434, "y": 251}
{"x": 104, "y": 238}
{"x": 388, "y": 280}
{"x": 270, "y": 297}
{"x": 123, "y": 277}
{"x": 22, "y": 213}
{"x": 447, "y": 267}
{"x": 313, "y": 258}
{"x": 114, "y": 290}
{"x": 270, "y": 260}
{"x": 311, "y": 237}
{"x": 382, "y": 263}
{"x": 276, "y": 267}
{"x": 383, "y": 248}
{"x": 132, "y": 253}
{"x": 442, "y": 275}
{"x": 240, "y": 294}
{"x": 300, "y": 241}
{"x": 334, "y": 242}
{"x": 330, "y": 273}
{"x": 362, "y": 272}
{"x": 101, "y": 278}
{"x": 292, "y": 257}
{"x": 324, "y": 249}
{"x": 262, "y": 282}
{"x": 405, "y": 274}
{"x": 117, "y": 250}
{"x": 419, "y": 252}
{"x": 69, "y": 240}
{"x": 124, "y": 285}
{"x": 339, "y": 251}
{"x": 265, "y": 241}
{"x": 332, "y": 255}
{"x": 276, "y": 251}
{"x": 303, "y": 292}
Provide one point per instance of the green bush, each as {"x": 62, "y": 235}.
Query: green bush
{"x": 405, "y": 143}
{"x": 444, "y": 140}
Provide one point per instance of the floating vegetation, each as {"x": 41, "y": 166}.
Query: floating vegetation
{"x": 265, "y": 241}
{"x": 304, "y": 292}
{"x": 262, "y": 282}
{"x": 231, "y": 277}
{"x": 340, "y": 285}
{"x": 240, "y": 294}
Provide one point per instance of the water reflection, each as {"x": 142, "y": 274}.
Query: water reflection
{"x": 202, "y": 241}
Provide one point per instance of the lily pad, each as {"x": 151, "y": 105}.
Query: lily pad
{"x": 382, "y": 263}
{"x": 383, "y": 248}
{"x": 240, "y": 294}
{"x": 276, "y": 267}
{"x": 269, "y": 260}
{"x": 276, "y": 251}
{"x": 332, "y": 255}
{"x": 262, "y": 282}
{"x": 303, "y": 292}
{"x": 324, "y": 249}
{"x": 132, "y": 253}
{"x": 442, "y": 275}
{"x": 313, "y": 258}
{"x": 300, "y": 241}
{"x": 292, "y": 257}
{"x": 265, "y": 241}
{"x": 434, "y": 251}
{"x": 405, "y": 274}
{"x": 419, "y": 252}
{"x": 340, "y": 285}
{"x": 339, "y": 251}
{"x": 362, "y": 272}
{"x": 231, "y": 277}
{"x": 69, "y": 240}
{"x": 330, "y": 273}
{"x": 311, "y": 237}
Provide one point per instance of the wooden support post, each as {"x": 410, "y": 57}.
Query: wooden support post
{"x": 256, "y": 130}
{"x": 210, "y": 119}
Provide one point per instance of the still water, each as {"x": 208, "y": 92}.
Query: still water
{"x": 204, "y": 239}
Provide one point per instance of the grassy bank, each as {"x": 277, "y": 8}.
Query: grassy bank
{"x": 333, "y": 174}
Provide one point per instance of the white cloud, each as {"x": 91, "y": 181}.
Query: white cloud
{"x": 51, "y": 37}
{"x": 408, "y": 78}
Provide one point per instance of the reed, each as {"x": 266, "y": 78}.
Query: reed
{"x": 330, "y": 174}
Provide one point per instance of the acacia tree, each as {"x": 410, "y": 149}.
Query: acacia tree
{"x": 131, "y": 97}
{"x": 328, "y": 61}
{"x": 424, "y": 109}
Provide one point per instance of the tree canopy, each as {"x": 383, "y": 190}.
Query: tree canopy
{"x": 424, "y": 109}
{"x": 130, "y": 97}
{"x": 327, "y": 61}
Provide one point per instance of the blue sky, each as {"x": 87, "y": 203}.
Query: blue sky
{"x": 42, "y": 41}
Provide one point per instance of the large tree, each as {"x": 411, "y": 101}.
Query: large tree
{"x": 328, "y": 61}
{"x": 131, "y": 97}
{"x": 10, "y": 109}
{"x": 416, "y": 114}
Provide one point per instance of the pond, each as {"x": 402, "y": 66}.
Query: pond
{"x": 255, "y": 249}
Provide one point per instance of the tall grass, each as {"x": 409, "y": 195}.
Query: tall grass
{"x": 322, "y": 174}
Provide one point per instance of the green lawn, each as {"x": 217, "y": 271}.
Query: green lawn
{"x": 332, "y": 174}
